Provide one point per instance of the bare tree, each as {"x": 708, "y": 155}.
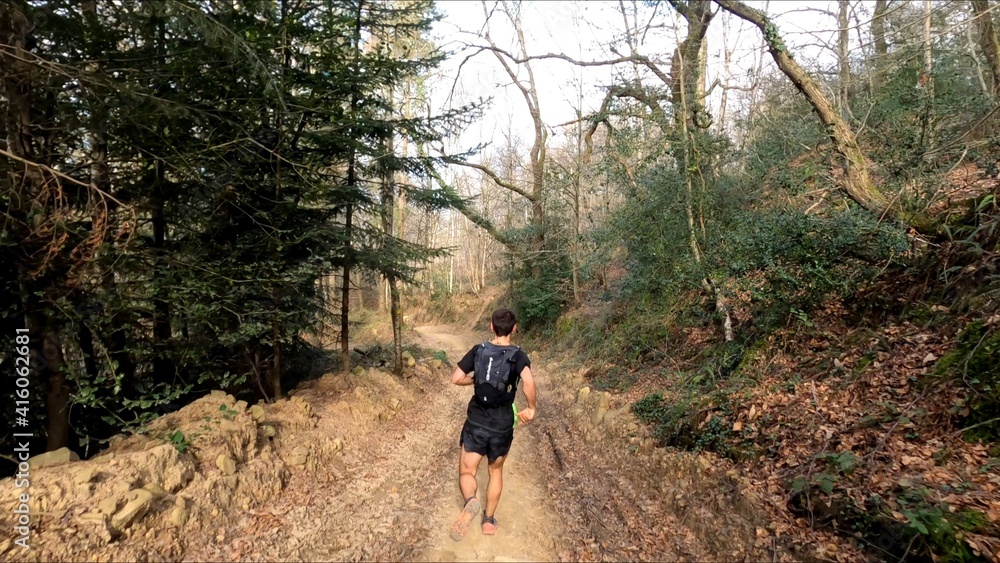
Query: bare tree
{"x": 528, "y": 88}
{"x": 857, "y": 181}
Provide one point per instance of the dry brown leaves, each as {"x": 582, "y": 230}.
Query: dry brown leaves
{"x": 872, "y": 395}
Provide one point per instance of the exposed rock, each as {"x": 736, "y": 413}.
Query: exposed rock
{"x": 93, "y": 517}
{"x": 109, "y": 505}
{"x": 339, "y": 383}
{"x": 225, "y": 464}
{"x": 268, "y": 430}
{"x": 85, "y": 475}
{"x": 582, "y": 394}
{"x": 612, "y": 415}
{"x": 337, "y": 467}
{"x": 240, "y": 406}
{"x": 358, "y": 371}
{"x": 435, "y": 364}
{"x": 157, "y": 491}
{"x": 338, "y": 444}
{"x": 298, "y": 457}
{"x": 394, "y": 403}
{"x": 601, "y": 409}
{"x": 138, "y": 502}
{"x": 99, "y": 521}
{"x": 55, "y": 457}
{"x": 85, "y": 490}
{"x": 231, "y": 482}
{"x": 257, "y": 413}
{"x": 228, "y": 426}
{"x": 408, "y": 359}
{"x": 162, "y": 465}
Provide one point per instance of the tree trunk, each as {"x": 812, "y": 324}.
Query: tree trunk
{"x": 162, "y": 365}
{"x": 24, "y": 185}
{"x": 688, "y": 64}
{"x": 926, "y": 81}
{"x": 50, "y": 366}
{"x": 451, "y": 259}
{"x": 988, "y": 42}
{"x": 843, "y": 41}
{"x": 878, "y": 33}
{"x": 388, "y": 227}
{"x": 345, "y": 290}
{"x": 276, "y": 366}
{"x": 162, "y": 368}
{"x": 396, "y": 315}
{"x": 857, "y": 182}
{"x": 973, "y": 53}
{"x": 352, "y": 182}
{"x": 577, "y": 187}
{"x": 537, "y": 158}
{"x": 57, "y": 391}
{"x": 727, "y": 56}
{"x": 86, "y": 339}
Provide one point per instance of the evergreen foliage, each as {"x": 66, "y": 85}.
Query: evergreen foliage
{"x": 180, "y": 188}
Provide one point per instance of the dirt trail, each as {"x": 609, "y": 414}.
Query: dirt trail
{"x": 527, "y": 525}
{"x": 402, "y": 493}
{"x": 582, "y": 483}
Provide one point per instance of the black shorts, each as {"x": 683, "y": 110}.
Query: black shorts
{"x": 476, "y": 439}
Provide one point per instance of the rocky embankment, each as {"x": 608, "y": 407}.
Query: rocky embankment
{"x": 188, "y": 475}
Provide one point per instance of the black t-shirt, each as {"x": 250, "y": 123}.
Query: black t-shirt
{"x": 494, "y": 418}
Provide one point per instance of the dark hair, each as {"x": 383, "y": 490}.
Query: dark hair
{"x": 503, "y": 321}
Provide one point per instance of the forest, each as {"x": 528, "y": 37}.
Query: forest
{"x": 715, "y": 209}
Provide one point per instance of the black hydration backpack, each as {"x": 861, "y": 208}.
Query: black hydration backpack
{"x": 495, "y": 386}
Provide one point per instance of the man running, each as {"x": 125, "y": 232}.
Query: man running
{"x": 489, "y": 426}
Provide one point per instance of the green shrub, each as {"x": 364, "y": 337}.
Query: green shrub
{"x": 935, "y": 528}
{"x": 976, "y": 361}
{"x": 540, "y": 290}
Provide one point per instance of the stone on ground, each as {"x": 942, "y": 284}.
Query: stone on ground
{"x": 55, "y": 457}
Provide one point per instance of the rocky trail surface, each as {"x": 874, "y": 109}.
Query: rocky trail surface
{"x": 364, "y": 467}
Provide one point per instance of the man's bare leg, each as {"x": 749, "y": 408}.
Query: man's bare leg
{"x": 495, "y": 486}
{"x": 468, "y": 463}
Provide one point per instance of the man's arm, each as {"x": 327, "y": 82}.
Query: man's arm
{"x": 529, "y": 392}
{"x": 459, "y": 377}
{"x": 463, "y": 368}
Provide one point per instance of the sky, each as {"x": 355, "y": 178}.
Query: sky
{"x": 586, "y": 30}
